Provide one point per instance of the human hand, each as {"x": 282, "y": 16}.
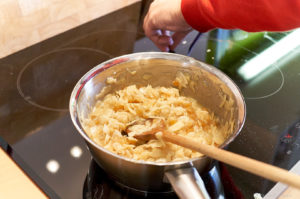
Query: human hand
{"x": 164, "y": 17}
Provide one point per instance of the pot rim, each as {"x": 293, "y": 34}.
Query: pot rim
{"x": 147, "y": 55}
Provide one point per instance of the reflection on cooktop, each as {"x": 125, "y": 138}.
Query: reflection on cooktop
{"x": 99, "y": 185}
{"x": 58, "y": 155}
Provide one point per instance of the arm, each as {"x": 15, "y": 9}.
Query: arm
{"x": 252, "y": 16}
{"x": 180, "y": 16}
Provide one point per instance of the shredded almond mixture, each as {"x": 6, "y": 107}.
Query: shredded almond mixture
{"x": 182, "y": 115}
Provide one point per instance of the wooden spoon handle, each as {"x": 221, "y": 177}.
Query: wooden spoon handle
{"x": 253, "y": 166}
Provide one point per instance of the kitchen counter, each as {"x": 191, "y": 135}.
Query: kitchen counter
{"x": 27, "y": 22}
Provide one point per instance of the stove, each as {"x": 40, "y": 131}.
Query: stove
{"x": 36, "y": 84}
{"x": 99, "y": 185}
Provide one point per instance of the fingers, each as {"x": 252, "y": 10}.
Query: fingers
{"x": 162, "y": 39}
{"x": 165, "y": 15}
{"x": 177, "y": 37}
{"x": 163, "y": 42}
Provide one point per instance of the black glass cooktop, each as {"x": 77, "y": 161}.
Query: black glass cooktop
{"x": 218, "y": 182}
{"x": 36, "y": 84}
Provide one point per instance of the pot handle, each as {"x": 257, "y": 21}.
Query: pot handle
{"x": 187, "y": 183}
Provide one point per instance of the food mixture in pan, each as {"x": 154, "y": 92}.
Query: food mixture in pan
{"x": 181, "y": 115}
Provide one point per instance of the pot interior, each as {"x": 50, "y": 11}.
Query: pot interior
{"x": 210, "y": 87}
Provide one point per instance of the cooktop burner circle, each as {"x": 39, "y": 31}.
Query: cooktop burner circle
{"x": 47, "y": 81}
{"x": 267, "y": 88}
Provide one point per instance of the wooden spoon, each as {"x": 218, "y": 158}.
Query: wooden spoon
{"x": 262, "y": 169}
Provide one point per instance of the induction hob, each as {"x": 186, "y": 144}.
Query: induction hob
{"x": 36, "y": 84}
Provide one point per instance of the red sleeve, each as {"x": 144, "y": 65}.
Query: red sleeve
{"x": 248, "y": 15}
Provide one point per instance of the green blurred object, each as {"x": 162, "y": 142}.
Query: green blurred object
{"x": 238, "y": 47}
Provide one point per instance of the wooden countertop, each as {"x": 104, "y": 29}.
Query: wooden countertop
{"x": 14, "y": 183}
{"x": 27, "y": 22}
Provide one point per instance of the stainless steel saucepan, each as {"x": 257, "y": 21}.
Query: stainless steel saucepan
{"x": 209, "y": 86}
